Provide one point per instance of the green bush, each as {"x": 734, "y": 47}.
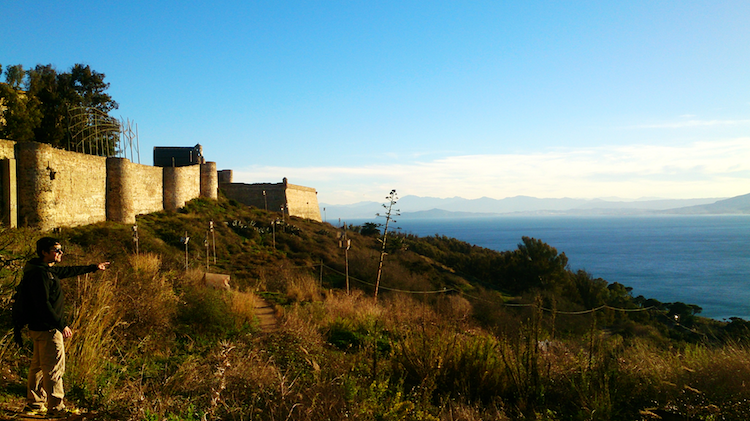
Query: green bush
{"x": 205, "y": 312}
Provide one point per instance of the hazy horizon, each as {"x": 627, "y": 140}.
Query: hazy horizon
{"x": 607, "y": 199}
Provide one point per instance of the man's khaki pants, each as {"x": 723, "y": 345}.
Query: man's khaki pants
{"x": 45, "y": 385}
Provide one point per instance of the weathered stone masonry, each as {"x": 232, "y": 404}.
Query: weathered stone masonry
{"x": 46, "y": 188}
{"x": 9, "y": 196}
{"x": 288, "y": 198}
{"x": 133, "y": 189}
{"x": 58, "y": 188}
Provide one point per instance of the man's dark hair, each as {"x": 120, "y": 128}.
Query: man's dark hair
{"x": 45, "y": 244}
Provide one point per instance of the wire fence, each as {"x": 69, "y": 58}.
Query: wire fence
{"x": 447, "y": 290}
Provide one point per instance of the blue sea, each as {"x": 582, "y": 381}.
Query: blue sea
{"x": 702, "y": 260}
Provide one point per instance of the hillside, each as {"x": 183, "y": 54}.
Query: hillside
{"x": 456, "y": 332}
{"x": 734, "y": 205}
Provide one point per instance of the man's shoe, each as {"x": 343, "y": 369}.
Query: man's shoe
{"x": 58, "y": 413}
{"x": 63, "y": 412}
{"x": 34, "y": 410}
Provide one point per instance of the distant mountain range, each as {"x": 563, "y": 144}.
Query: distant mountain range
{"x": 457, "y": 207}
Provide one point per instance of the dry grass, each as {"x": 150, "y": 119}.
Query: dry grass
{"x": 455, "y": 411}
{"x": 696, "y": 380}
{"x": 94, "y": 320}
{"x": 242, "y": 305}
{"x": 302, "y": 287}
{"x": 146, "y": 299}
{"x": 406, "y": 313}
{"x": 450, "y": 369}
{"x": 355, "y": 306}
{"x": 455, "y": 308}
{"x": 145, "y": 264}
{"x": 153, "y": 343}
{"x": 6, "y": 343}
{"x": 193, "y": 278}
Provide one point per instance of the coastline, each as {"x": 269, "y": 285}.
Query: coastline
{"x": 696, "y": 259}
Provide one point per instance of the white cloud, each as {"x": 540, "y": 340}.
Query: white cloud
{"x": 700, "y": 169}
{"x": 693, "y": 123}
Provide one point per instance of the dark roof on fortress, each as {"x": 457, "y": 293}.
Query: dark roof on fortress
{"x": 178, "y": 156}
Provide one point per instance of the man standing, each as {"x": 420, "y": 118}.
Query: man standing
{"x": 48, "y": 326}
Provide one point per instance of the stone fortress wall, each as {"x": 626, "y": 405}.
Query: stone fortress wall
{"x": 133, "y": 189}
{"x": 302, "y": 201}
{"x": 288, "y": 198}
{"x": 47, "y": 188}
{"x": 59, "y": 188}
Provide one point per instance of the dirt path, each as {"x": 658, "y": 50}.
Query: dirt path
{"x": 13, "y": 415}
{"x": 266, "y": 315}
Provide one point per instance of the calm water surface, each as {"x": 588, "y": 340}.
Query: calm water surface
{"x": 703, "y": 260}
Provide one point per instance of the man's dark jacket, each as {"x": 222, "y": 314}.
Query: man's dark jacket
{"x": 41, "y": 283}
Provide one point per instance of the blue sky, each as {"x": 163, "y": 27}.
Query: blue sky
{"x": 431, "y": 98}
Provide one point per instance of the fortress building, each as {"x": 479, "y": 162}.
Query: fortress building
{"x": 170, "y": 156}
{"x": 46, "y": 188}
{"x": 288, "y": 198}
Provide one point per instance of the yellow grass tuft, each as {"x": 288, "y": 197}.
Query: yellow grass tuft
{"x": 145, "y": 264}
{"x": 242, "y": 306}
{"x": 302, "y": 287}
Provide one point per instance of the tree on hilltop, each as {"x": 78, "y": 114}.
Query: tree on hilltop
{"x": 14, "y": 76}
{"x": 88, "y": 89}
{"x": 21, "y": 113}
{"x": 59, "y": 109}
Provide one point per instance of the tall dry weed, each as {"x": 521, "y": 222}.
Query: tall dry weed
{"x": 6, "y": 344}
{"x": 95, "y": 317}
{"x": 353, "y": 306}
{"x": 302, "y": 287}
{"x": 401, "y": 311}
{"x": 698, "y": 380}
{"x": 454, "y": 411}
{"x": 192, "y": 277}
{"x": 145, "y": 264}
{"x": 455, "y": 308}
{"x": 242, "y": 305}
{"x": 146, "y": 298}
{"x": 469, "y": 368}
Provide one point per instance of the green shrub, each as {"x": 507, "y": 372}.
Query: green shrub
{"x": 454, "y": 366}
{"x": 205, "y": 312}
